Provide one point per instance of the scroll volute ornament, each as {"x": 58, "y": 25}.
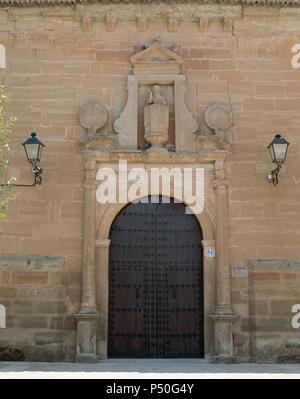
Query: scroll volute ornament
{"x": 218, "y": 118}
{"x": 93, "y": 116}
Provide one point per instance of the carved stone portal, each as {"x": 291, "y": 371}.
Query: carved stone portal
{"x": 156, "y": 66}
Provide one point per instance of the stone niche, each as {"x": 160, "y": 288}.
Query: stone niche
{"x": 156, "y": 66}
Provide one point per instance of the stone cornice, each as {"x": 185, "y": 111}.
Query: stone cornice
{"x": 34, "y": 3}
{"x": 151, "y": 157}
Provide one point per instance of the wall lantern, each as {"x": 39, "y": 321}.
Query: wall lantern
{"x": 278, "y": 150}
{"x": 33, "y": 149}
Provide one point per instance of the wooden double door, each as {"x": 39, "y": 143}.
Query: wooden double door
{"x": 155, "y": 283}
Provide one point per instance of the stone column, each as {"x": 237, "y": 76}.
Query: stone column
{"x": 88, "y": 315}
{"x": 102, "y": 251}
{"x": 223, "y": 315}
{"x": 209, "y": 273}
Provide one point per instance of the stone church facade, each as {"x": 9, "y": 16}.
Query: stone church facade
{"x": 83, "y": 76}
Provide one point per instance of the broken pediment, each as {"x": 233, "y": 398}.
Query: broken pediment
{"x": 156, "y": 68}
{"x": 155, "y": 58}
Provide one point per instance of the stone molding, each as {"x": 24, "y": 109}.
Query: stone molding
{"x": 267, "y": 265}
{"x": 230, "y": 317}
{"x": 269, "y": 3}
{"x": 102, "y": 243}
{"x": 148, "y": 157}
{"x": 31, "y": 263}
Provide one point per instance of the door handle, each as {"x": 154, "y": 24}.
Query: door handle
{"x": 137, "y": 294}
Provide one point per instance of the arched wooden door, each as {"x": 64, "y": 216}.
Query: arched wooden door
{"x": 155, "y": 283}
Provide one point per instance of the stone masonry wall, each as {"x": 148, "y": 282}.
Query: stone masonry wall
{"x": 59, "y": 58}
{"x": 274, "y": 288}
{"x": 38, "y": 296}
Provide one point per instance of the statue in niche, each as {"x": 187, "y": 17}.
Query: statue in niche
{"x": 156, "y": 120}
{"x": 155, "y": 97}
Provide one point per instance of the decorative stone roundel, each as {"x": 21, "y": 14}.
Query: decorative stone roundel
{"x": 93, "y": 116}
{"x": 218, "y": 116}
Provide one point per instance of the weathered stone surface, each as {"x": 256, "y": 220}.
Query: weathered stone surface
{"x": 11, "y": 355}
{"x": 31, "y": 263}
{"x": 32, "y": 322}
{"x": 262, "y": 265}
{"x": 57, "y": 61}
{"x": 48, "y": 338}
{"x": 51, "y": 307}
{"x": 93, "y": 116}
{"x": 50, "y": 293}
{"x": 56, "y": 323}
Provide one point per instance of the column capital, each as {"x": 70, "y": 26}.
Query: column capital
{"x": 86, "y": 316}
{"x": 90, "y": 164}
{"x": 220, "y": 170}
{"x": 208, "y": 243}
{"x": 219, "y": 183}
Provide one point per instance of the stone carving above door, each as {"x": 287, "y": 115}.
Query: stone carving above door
{"x": 156, "y": 66}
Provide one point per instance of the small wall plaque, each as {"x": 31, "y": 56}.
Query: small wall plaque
{"x": 239, "y": 271}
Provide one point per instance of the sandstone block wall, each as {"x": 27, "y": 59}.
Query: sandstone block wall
{"x": 59, "y": 58}
{"x": 39, "y": 297}
{"x": 274, "y": 288}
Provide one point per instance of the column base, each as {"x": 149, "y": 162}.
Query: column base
{"x": 86, "y": 358}
{"x": 224, "y": 359}
{"x": 86, "y": 349}
{"x": 224, "y": 352}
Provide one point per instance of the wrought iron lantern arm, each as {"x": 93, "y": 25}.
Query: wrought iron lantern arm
{"x": 33, "y": 149}
{"x": 278, "y": 151}
{"x": 273, "y": 176}
{"x": 37, "y": 175}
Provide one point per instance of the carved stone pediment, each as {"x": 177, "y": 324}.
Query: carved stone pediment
{"x": 156, "y": 66}
{"x": 156, "y": 58}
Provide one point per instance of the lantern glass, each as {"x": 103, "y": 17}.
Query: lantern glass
{"x": 33, "y": 148}
{"x": 278, "y": 149}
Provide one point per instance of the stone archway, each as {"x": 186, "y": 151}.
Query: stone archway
{"x": 92, "y": 316}
{"x": 155, "y": 300}
{"x": 108, "y": 215}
